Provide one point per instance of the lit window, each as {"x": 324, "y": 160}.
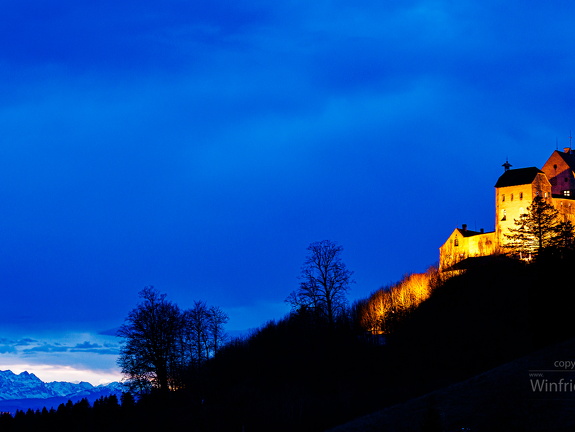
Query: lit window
{"x": 566, "y": 193}
{"x": 456, "y": 243}
{"x": 504, "y": 216}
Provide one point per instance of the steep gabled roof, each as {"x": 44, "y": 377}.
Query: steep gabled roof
{"x": 517, "y": 177}
{"x": 569, "y": 158}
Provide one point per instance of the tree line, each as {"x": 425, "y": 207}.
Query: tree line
{"x": 384, "y": 310}
{"x": 106, "y": 413}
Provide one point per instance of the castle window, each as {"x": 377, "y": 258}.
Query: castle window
{"x": 520, "y": 195}
{"x": 566, "y": 193}
{"x": 502, "y": 197}
{"x": 504, "y": 215}
{"x": 456, "y": 242}
{"x": 511, "y": 197}
{"x": 566, "y": 179}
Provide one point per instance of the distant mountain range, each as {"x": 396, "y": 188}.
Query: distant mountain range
{"x": 26, "y": 391}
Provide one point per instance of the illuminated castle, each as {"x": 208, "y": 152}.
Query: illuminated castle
{"x": 514, "y": 191}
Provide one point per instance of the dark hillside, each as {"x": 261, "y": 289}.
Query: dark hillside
{"x": 497, "y": 311}
{"x": 471, "y": 323}
{"x": 294, "y": 375}
{"x": 552, "y": 299}
{"x": 501, "y": 399}
{"x": 301, "y": 374}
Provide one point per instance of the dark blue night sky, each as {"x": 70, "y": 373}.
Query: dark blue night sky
{"x": 201, "y": 146}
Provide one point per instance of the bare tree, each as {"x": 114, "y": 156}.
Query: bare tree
{"x": 218, "y": 319}
{"x": 196, "y": 333}
{"x": 151, "y": 332}
{"x": 203, "y": 333}
{"x": 325, "y": 281}
{"x": 385, "y": 308}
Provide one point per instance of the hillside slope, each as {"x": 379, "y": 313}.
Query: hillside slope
{"x": 481, "y": 333}
{"x": 502, "y": 399}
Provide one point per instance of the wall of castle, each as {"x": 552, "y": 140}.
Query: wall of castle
{"x": 560, "y": 175}
{"x": 566, "y": 209}
{"x": 458, "y": 247}
{"x": 481, "y": 244}
{"x": 513, "y": 201}
{"x": 452, "y": 251}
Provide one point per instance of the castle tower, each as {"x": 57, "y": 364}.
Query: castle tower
{"x": 514, "y": 192}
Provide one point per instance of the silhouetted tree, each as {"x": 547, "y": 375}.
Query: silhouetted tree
{"x": 203, "y": 333}
{"x": 195, "y": 334}
{"x": 218, "y": 318}
{"x": 325, "y": 282}
{"x": 127, "y": 401}
{"x": 565, "y": 238}
{"x": 161, "y": 342}
{"x": 149, "y": 354}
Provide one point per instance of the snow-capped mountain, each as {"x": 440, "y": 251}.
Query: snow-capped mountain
{"x": 28, "y": 386}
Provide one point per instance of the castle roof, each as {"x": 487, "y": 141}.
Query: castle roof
{"x": 568, "y": 157}
{"x": 468, "y": 233}
{"x": 517, "y": 177}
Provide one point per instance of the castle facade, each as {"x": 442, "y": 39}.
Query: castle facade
{"x": 514, "y": 192}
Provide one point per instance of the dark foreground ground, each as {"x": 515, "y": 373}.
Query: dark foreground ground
{"x": 501, "y": 399}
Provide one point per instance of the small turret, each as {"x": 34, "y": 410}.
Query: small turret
{"x": 506, "y": 165}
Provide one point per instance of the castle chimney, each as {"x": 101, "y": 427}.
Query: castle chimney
{"x": 481, "y": 230}
{"x": 567, "y": 150}
{"x": 464, "y": 227}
